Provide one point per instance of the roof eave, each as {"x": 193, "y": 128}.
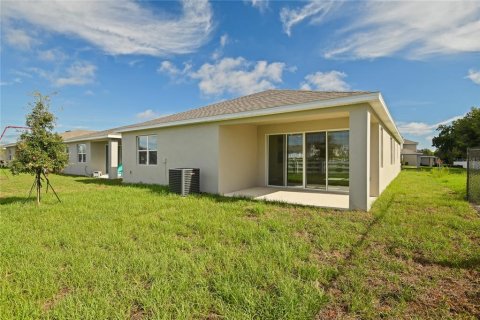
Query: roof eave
{"x": 381, "y": 109}
{"x": 375, "y": 99}
{"x": 95, "y": 138}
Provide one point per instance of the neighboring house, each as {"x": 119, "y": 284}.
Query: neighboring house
{"x": 88, "y": 151}
{"x": 96, "y": 153}
{"x": 317, "y": 146}
{"x": 411, "y": 156}
{"x": 10, "y": 148}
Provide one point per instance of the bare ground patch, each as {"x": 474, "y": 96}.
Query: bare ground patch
{"x": 52, "y": 302}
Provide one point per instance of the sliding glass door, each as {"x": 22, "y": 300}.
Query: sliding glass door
{"x": 295, "y": 160}
{"x": 276, "y": 160}
{"x": 338, "y": 161}
{"x": 315, "y": 160}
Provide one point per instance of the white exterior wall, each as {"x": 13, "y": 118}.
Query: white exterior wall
{"x": 389, "y": 170}
{"x": 411, "y": 159}
{"x": 237, "y": 157}
{"x": 74, "y": 167}
{"x": 193, "y": 146}
{"x": 359, "y": 140}
{"x": 10, "y": 153}
{"x": 95, "y": 159}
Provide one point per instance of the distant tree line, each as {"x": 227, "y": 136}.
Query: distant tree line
{"x": 454, "y": 139}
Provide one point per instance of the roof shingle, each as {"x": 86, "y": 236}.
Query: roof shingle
{"x": 257, "y": 101}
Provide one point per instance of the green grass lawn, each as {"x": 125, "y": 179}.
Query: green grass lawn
{"x": 137, "y": 252}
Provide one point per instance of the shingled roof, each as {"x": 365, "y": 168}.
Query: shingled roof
{"x": 93, "y": 135}
{"x": 75, "y": 133}
{"x": 257, "y": 101}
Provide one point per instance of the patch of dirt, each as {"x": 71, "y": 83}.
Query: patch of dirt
{"x": 476, "y": 207}
{"x": 430, "y": 290}
{"x": 52, "y": 302}
{"x": 460, "y": 294}
{"x": 138, "y": 312}
{"x": 213, "y": 316}
{"x": 333, "y": 257}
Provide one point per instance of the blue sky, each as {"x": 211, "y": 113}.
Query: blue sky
{"x": 116, "y": 63}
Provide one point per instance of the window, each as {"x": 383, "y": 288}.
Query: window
{"x": 82, "y": 152}
{"x": 381, "y": 147}
{"x": 147, "y": 149}
{"x": 391, "y": 150}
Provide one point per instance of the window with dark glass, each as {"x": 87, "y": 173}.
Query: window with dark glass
{"x": 82, "y": 152}
{"x": 147, "y": 149}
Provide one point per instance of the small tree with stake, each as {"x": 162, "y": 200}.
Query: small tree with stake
{"x": 40, "y": 150}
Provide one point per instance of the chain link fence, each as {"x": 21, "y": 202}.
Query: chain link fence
{"x": 473, "y": 175}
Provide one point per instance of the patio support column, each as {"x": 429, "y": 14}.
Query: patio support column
{"x": 374, "y": 159}
{"x": 359, "y": 153}
{"x": 112, "y": 159}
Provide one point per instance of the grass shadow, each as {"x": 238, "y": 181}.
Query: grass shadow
{"x": 354, "y": 250}
{"x": 469, "y": 263}
{"x": 164, "y": 190}
{"x": 10, "y": 200}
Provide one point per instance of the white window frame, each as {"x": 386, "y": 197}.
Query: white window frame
{"x": 147, "y": 150}
{"x": 81, "y": 156}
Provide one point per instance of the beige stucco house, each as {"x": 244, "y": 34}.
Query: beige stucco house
{"x": 95, "y": 153}
{"x": 340, "y": 149}
{"x": 411, "y": 157}
{"x": 89, "y": 152}
{"x": 10, "y": 149}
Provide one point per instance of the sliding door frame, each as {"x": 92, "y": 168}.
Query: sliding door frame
{"x": 304, "y": 177}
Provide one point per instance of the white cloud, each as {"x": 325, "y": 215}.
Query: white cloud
{"x": 147, "y": 115}
{"x": 224, "y": 40}
{"x": 117, "y": 27}
{"x": 414, "y": 29}
{"x": 172, "y": 70}
{"x": 135, "y": 62}
{"x": 261, "y": 5}
{"x": 52, "y": 55}
{"x": 422, "y": 128}
{"x": 229, "y": 75}
{"x": 169, "y": 68}
{"x": 19, "y": 39}
{"x": 14, "y": 81}
{"x": 314, "y": 11}
{"x": 78, "y": 73}
{"x": 89, "y": 93}
{"x": 238, "y": 76}
{"x": 325, "y": 81}
{"x": 474, "y": 75}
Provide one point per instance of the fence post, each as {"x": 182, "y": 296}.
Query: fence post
{"x": 468, "y": 174}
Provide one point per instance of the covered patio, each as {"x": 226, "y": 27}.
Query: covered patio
{"x": 331, "y": 158}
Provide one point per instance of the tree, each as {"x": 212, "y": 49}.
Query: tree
{"x": 426, "y": 152}
{"x": 39, "y": 150}
{"x": 454, "y": 139}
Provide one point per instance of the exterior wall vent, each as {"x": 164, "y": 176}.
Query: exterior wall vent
{"x": 184, "y": 181}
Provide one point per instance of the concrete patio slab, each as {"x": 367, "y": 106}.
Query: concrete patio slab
{"x": 295, "y": 196}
